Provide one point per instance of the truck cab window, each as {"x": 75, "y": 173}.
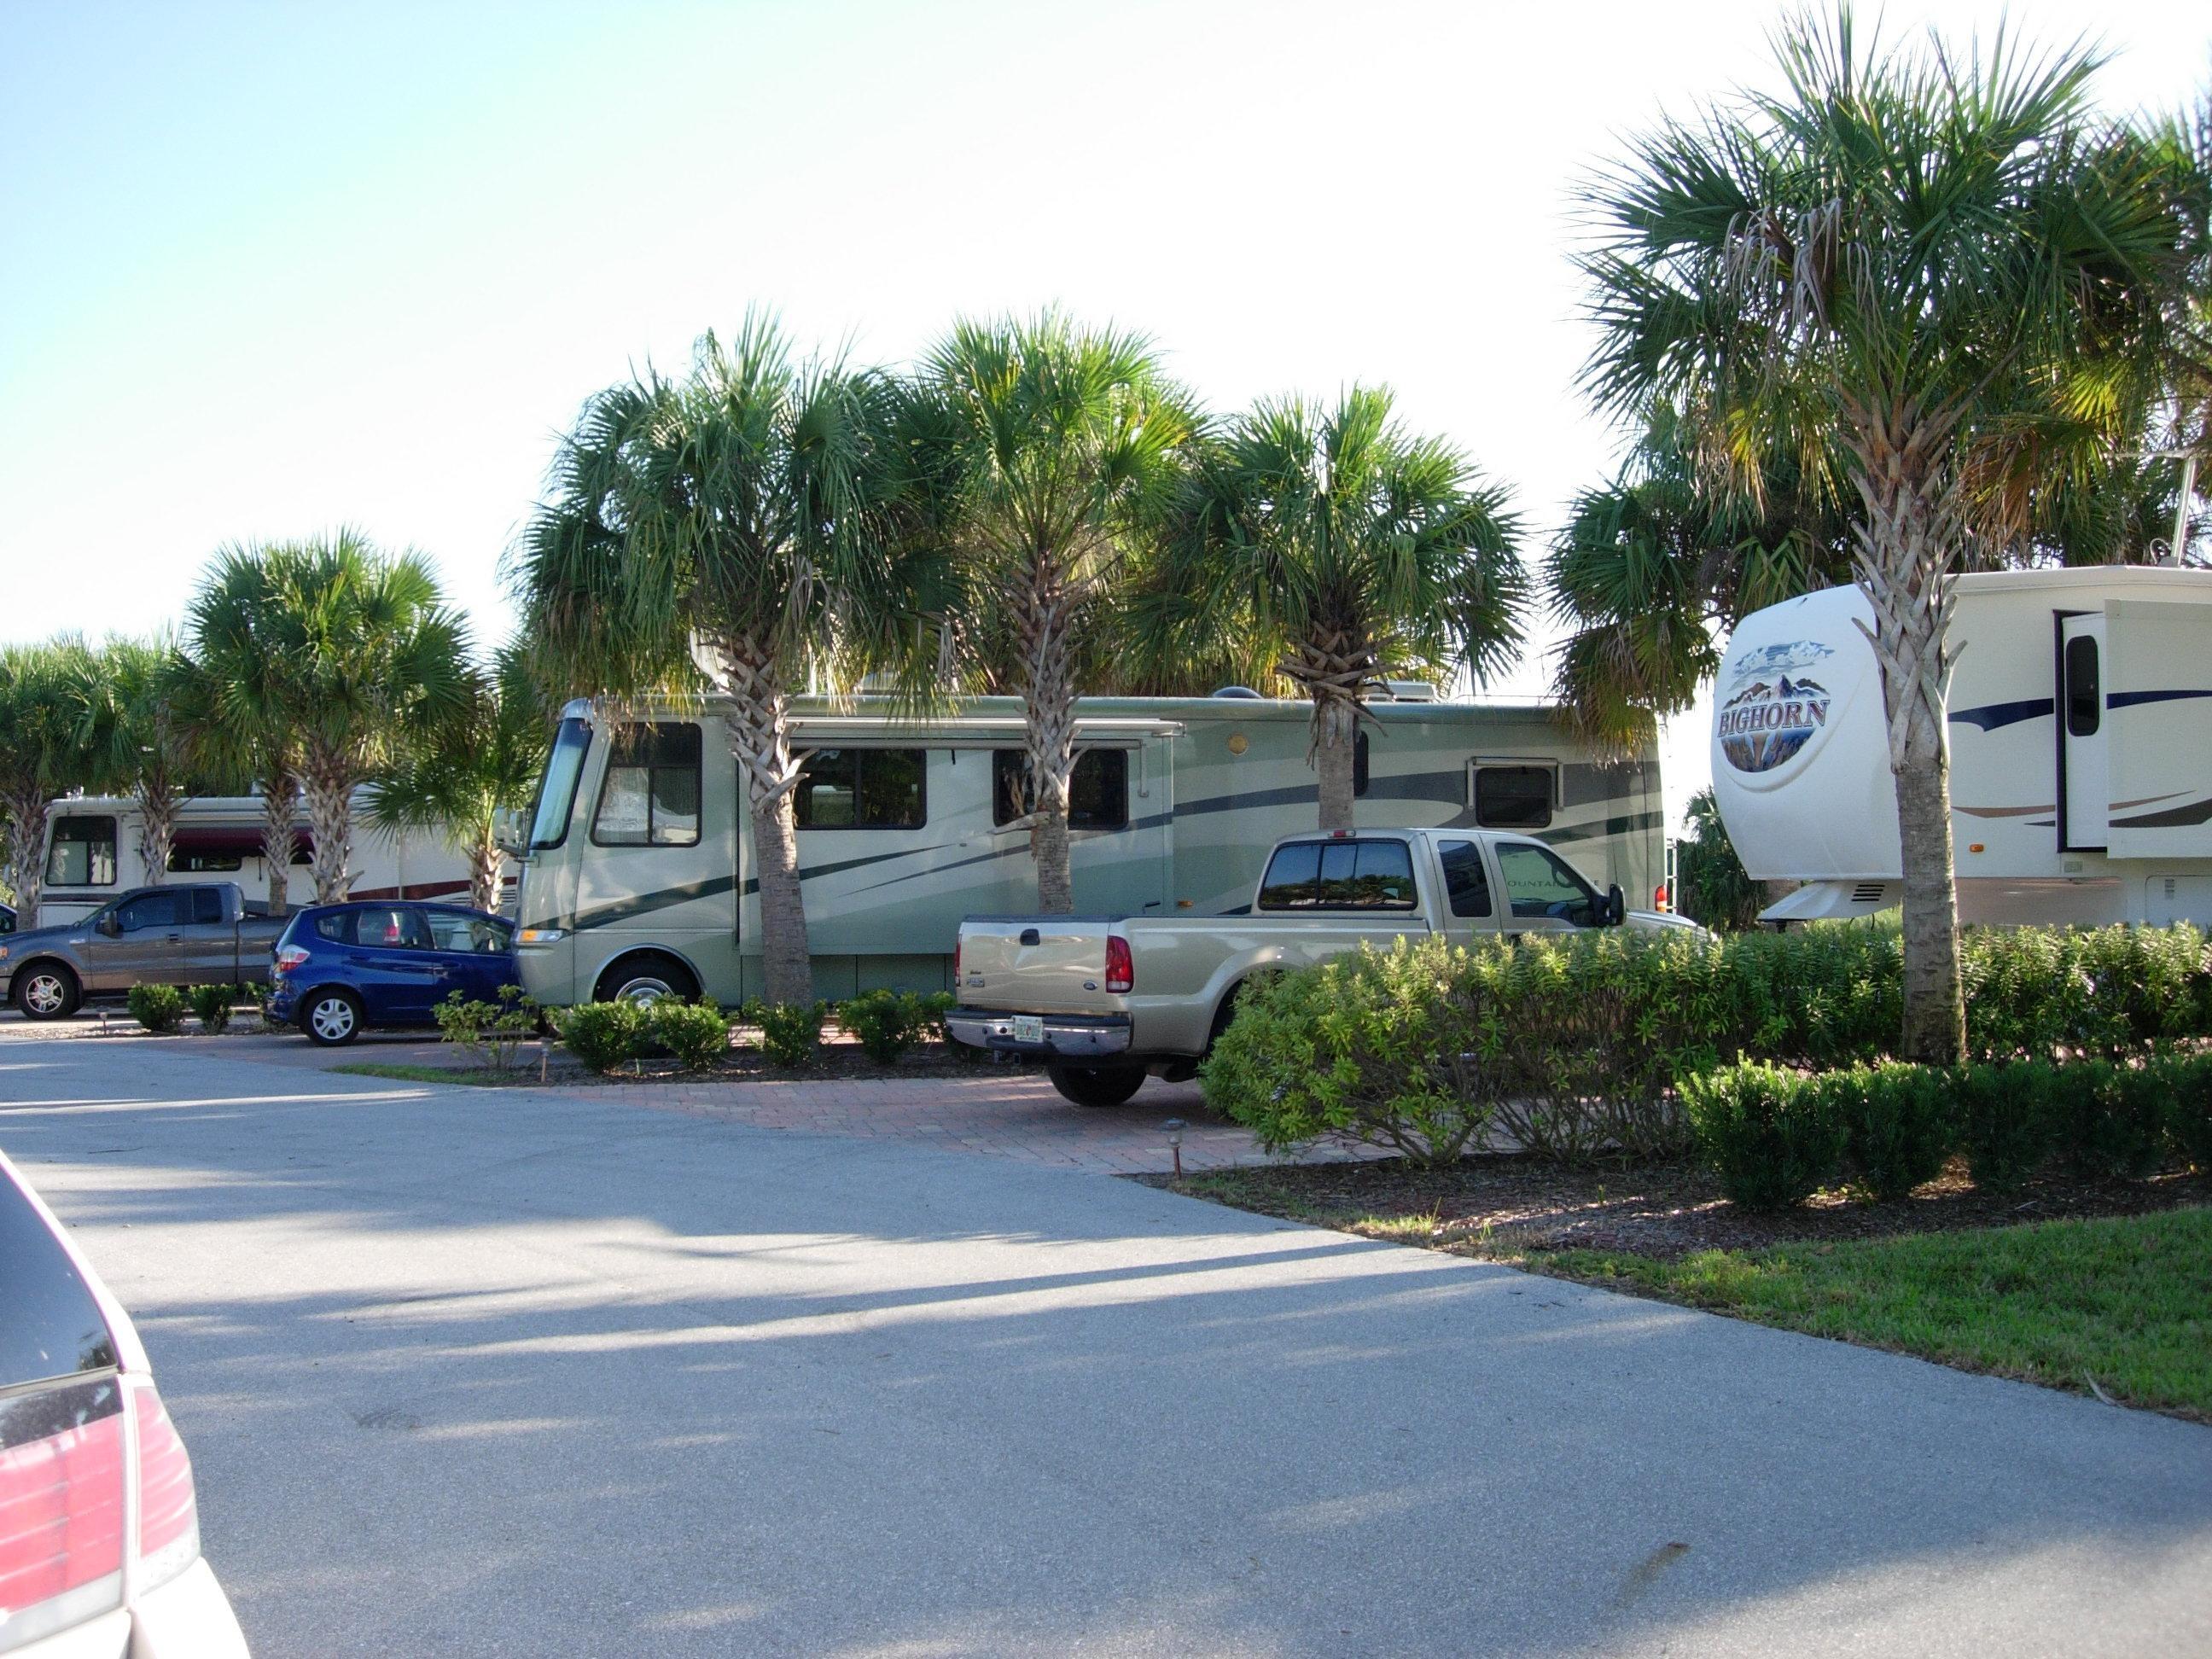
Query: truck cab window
{"x": 1339, "y": 875}
{"x": 1513, "y": 797}
{"x": 154, "y": 910}
{"x": 1097, "y": 792}
{"x": 82, "y": 852}
{"x": 1465, "y": 884}
{"x": 862, "y": 789}
{"x": 650, "y": 796}
{"x": 556, "y": 789}
{"x": 1540, "y": 883}
{"x": 207, "y": 905}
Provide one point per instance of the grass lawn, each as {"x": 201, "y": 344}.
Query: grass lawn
{"x": 2120, "y": 1305}
{"x": 481, "y": 1077}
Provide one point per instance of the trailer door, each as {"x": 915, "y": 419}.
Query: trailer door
{"x": 2085, "y": 763}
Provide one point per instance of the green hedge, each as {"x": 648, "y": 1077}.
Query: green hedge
{"x": 1573, "y": 1043}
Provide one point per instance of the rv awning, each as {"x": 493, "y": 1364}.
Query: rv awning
{"x": 986, "y": 731}
{"x": 1824, "y": 901}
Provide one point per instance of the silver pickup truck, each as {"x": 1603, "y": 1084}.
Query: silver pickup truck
{"x": 179, "y": 933}
{"x": 1103, "y": 1000}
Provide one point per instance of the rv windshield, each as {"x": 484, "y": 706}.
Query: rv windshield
{"x": 556, "y": 790}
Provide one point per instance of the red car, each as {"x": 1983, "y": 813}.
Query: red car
{"x": 100, "y": 1535}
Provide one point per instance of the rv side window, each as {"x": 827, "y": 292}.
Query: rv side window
{"x": 83, "y": 854}
{"x": 2085, "y": 698}
{"x": 556, "y": 789}
{"x": 1339, "y": 875}
{"x": 204, "y": 852}
{"x": 1097, "y": 793}
{"x": 651, "y": 794}
{"x": 862, "y": 789}
{"x": 1465, "y": 883}
{"x": 1513, "y": 797}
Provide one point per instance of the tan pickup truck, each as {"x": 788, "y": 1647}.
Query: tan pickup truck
{"x": 1103, "y": 1000}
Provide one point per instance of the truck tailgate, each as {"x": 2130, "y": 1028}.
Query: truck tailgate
{"x": 1036, "y": 964}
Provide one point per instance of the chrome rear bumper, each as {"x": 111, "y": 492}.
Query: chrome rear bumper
{"x": 1067, "y": 1036}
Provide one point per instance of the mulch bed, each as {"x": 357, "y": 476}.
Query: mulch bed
{"x": 1507, "y": 1205}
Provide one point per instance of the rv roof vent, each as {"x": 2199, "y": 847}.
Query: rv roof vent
{"x": 1868, "y": 892}
{"x": 1410, "y": 691}
{"x": 1244, "y": 691}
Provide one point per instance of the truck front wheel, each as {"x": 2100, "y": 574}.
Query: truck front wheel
{"x": 47, "y": 990}
{"x": 1096, "y": 1086}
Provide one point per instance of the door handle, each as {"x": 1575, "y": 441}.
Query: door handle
{"x": 173, "y": 938}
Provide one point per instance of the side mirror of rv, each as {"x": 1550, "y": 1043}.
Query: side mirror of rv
{"x": 1616, "y": 906}
{"x": 506, "y": 831}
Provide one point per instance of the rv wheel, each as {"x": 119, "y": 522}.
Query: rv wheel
{"x": 47, "y": 990}
{"x": 647, "y": 976}
{"x": 1096, "y": 1086}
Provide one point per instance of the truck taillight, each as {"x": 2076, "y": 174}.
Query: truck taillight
{"x": 1120, "y": 969}
{"x": 956, "y": 964}
{"x": 1659, "y": 897}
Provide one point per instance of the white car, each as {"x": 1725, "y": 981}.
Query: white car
{"x": 100, "y": 1535}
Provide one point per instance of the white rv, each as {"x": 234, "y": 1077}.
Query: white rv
{"x": 92, "y": 854}
{"x": 637, "y": 874}
{"x": 2080, "y": 721}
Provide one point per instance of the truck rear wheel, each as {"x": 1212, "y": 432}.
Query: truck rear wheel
{"x": 1096, "y": 1086}
{"x": 47, "y": 990}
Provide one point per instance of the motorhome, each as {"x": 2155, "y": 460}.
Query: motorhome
{"x": 637, "y": 860}
{"x": 2080, "y": 723}
{"x": 92, "y": 854}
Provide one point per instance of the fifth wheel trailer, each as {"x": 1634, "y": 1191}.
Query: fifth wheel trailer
{"x": 2079, "y": 716}
{"x": 638, "y": 870}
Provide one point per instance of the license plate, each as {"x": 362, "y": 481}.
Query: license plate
{"x": 1029, "y": 1028}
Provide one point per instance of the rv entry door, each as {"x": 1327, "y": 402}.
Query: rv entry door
{"x": 2085, "y": 765}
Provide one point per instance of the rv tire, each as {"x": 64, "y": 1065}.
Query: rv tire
{"x": 1096, "y": 1086}
{"x": 47, "y": 990}
{"x": 646, "y": 976}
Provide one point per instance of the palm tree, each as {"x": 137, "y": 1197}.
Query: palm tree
{"x": 454, "y": 781}
{"x": 39, "y": 753}
{"x": 357, "y": 656}
{"x": 1345, "y": 549}
{"x": 136, "y": 719}
{"x": 737, "y": 521}
{"x": 240, "y": 676}
{"x": 1055, "y": 448}
{"x": 1936, "y": 257}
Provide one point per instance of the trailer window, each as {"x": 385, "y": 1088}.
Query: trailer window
{"x": 82, "y": 852}
{"x": 557, "y": 788}
{"x": 1513, "y": 797}
{"x": 1339, "y": 875}
{"x": 1097, "y": 792}
{"x": 2085, "y": 699}
{"x": 650, "y": 797}
{"x": 1465, "y": 884}
{"x": 862, "y": 789}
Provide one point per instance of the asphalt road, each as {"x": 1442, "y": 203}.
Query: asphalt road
{"x": 466, "y": 1371}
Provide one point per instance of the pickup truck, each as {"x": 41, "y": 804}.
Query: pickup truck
{"x": 1104, "y": 1000}
{"x": 179, "y": 933}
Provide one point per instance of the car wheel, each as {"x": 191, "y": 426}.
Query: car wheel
{"x": 1096, "y": 1086}
{"x": 331, "y": 1018}
{"x": 47, "y": 990}
{"x": 648, "y": 976}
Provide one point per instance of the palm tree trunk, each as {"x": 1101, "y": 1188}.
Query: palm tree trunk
{"x": 280, "y": 836}
{"x": 760, "y": 740}
{"x": 157, "y": 827}
{"x": 1048, "y": 734}
{"x": 330, "y": 818}
{"x": 25, "y": 811}
{"x": 487, "y": 867}
{"x": 1906, "y": 549}
{"x": 1332, "y": 667}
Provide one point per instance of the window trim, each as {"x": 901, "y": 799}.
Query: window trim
{"x": 114, "y": 849}
{"x": 1010, "y": 826}
{"x": 606, "y": 777}
{"x": 1477, "y": 767}
{"x": 1412, "y": 907}
{"x": 857, "y": 749}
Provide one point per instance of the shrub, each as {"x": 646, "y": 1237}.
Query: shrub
{"x": 156, "y": 1007}
{"x": 1768, "y": 1133}
{"x": 604, "y": 1035}
{"x": 1897, "y": 1123}
{"x": 2188, "y": 1087}
{"x": 791, "y": 1032}
{"x": 886, "y": 1023}
{"x": 211, "y": 1005}
{"x": 2004, "y": 1121}
{"x": 489, "y": 1032}
{"x": 696, "y": 1033}
{"x": 2111, "y": 1117}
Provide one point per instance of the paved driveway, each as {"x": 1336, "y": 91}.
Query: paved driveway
{"x": 475, "y": 1372}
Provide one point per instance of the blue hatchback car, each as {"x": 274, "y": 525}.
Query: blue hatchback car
{"x": 341, "y": 967}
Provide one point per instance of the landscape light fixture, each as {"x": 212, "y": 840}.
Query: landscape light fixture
{"x": 1174, "y": 1128}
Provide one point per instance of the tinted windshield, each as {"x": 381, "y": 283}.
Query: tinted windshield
{"x": 556, "y": 790}
{"x": 50, "y": 1326}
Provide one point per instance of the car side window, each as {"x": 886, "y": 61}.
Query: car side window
{"x": 1540, "y": 883}
{"x": 391, "y": 928}
{"x": 151, "y": 910}
{"x": 1466, "y": 885}
{"x": 337, "y": 926}
{"x": 454, "y": 930}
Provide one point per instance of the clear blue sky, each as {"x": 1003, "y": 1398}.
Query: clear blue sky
{"x": 266, "y": 269}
